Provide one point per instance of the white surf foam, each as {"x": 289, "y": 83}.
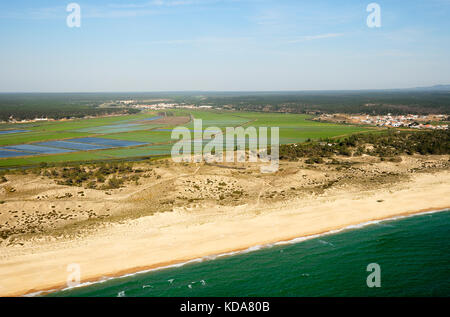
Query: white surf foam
{"x": 248, "y": 250}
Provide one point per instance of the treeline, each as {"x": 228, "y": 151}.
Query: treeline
{"x": 378, "y": 103}
{"x": 388, "y": 145}
{"x": 54, "y": 106}
{"x": 397, "y": 102}
{"x": 29, "y": 113}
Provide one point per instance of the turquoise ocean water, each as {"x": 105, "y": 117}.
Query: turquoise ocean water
{"x": 413, "y": 254}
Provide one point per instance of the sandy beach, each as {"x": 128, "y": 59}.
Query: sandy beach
{"x": 199, "y": 229}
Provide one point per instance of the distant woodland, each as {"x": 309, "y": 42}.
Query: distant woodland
{"x": 378, "y": 103}
{"x": 33, "y": 105}
{"x": 55, "y": 106}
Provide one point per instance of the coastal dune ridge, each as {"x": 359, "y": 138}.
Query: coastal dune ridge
{"x": 205, "y": 231}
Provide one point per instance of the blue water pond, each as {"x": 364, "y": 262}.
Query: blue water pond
{"x": 13, "y": 131}
{"x": 73, "y": 145}
{"x": 108, "y": 142}
{"x": 37, "y": 149}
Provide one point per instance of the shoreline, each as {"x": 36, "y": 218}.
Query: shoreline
{"x": 187, "y": 236}
{"x": 254, "y": 248}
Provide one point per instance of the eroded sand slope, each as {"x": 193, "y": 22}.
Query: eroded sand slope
{"x": 179, "y": 212}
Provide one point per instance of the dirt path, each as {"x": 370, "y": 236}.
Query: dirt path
{"x": 140, "y": 190}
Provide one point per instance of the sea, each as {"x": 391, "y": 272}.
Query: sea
{"x": 405, "y": 256}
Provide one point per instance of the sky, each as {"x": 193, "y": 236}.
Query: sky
{"x": 222, "y": 45}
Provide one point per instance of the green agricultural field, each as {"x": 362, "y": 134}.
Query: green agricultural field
{"x": 76, "y": 124}
{"x": 143, "y": 136}
{"x": 293, "y": 128}
{"x": 155, "y": 150}
{"x": 59, "y": 130}
{"x": 58, "y": 158}
{"x": 298, "y": 127}
{"x": 220, "y": 119}
{"x": 36, "y": 136}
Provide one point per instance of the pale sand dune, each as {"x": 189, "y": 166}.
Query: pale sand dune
{"x": 168, "y": 238}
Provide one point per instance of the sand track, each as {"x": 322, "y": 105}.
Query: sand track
{"x": 208, "y": 210}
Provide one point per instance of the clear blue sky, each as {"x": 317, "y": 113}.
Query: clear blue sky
{"x": 168, "y": 45}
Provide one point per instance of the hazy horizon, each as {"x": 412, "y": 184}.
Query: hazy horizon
{"x": 425, "y": 88}
{"x": 222, "y": 46}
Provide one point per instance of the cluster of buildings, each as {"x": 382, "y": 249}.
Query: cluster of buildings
{"x": 406, "y": 121}
{"x": 13, "y": 120}
{"x": 157, "y": 106}
{"x": 435, "y": 122}
{"x": 162, "y": 106}
{"x": 127, "y": 102}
